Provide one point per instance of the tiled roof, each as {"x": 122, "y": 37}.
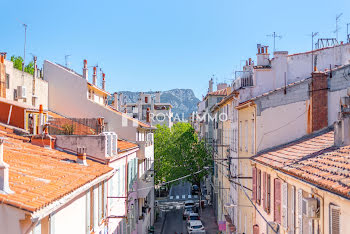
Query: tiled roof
{"x": 221, "y": 92}
{"x": 40, "y": 176}
{"x": 314, "y": 159}
{"x": 124, "y": 145}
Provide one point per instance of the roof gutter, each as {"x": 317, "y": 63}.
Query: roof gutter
{"x": 38, "y": 215}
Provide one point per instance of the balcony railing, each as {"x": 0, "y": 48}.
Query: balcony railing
{"x": 243, "y": 79}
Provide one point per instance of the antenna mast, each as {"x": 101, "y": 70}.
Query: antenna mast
{"x": 25, "y": 40}
{"x": 274, "y": 35}
{"x": 337, "y": 18}
{"x": 313, "y": 34}
{"x": 66, "y": 59}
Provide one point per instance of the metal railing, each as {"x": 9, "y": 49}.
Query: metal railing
{"x": 76, "y": 126}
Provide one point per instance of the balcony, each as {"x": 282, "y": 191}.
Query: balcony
{"x": 146, "y": 150}
{"x": 243, "y": 79}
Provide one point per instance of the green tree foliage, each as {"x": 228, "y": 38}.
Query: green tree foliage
{"x": 18, "y": 62}
{"x": 179, "y": 152}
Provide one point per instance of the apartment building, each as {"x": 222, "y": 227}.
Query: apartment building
{"x": 42, "y": 189}
{"x": 150, "y": 105}
{"x": 73, "y": 96}
{"x": 20, "y": 86}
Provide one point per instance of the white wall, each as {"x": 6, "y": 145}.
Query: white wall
{"x": 68, "y": 96}
{"x": 10, "y": 220}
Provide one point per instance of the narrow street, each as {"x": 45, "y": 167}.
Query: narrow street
{"x": 171, "y": 220}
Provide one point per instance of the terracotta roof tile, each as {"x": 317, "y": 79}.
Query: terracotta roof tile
{"x": 124, "y": 145}
{"x": 314, "y": 159}
{"x": 40, "y": 176}
{"x": 221, "y": 92}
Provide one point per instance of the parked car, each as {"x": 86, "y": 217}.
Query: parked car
{"x": 192, "y": 217}
{"x": 187, "y": 211}
{"x": 195, "y": 226}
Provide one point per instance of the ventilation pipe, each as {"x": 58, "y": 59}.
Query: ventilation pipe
{"x": 85, "y": 70}
{"x": 4, "y": 171}
{"x": 103, "y": 81}
{"x": 94, "y": 77}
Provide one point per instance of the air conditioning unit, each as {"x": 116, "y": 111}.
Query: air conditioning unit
{"x": 21, "y": 92}
{"x": 310, "y": 207}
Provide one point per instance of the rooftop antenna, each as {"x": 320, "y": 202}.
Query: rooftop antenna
{"x": 66, "y": 59}
{"x": 274, "y": 35}
{"x": 313, "y": 34}
{"x": 347, "y": 32}
{"x": 25, "y": 40}
{"x": 337, "y": 18}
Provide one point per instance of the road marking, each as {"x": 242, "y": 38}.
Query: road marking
{"x": 171, "y": 197}
{"x": 189, "y": 196}
{"x": 183, "y": 196}
{"x": 177, "y": 197}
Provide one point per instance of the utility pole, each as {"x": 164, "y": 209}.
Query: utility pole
{"x": 337, "y": 17}
{"x": 25, "y": 40}
{"x": 274, "y": 35}
{"x": 313, "y": 34}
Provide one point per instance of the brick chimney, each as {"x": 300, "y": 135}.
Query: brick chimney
{"x": 94, "y": 77}
{"x": 4, "y": 171}
{"x": 85, "y": 70}
{"x": 103, "y": 81}
{"x": 2, "y": 76}
{"x": 148, "y": 113}
{"x": 318, "y": 101}
{"x": 81, "y": 155}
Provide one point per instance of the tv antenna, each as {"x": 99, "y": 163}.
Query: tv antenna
{"x": 313, "y": 34}
{"x": 347, "y": 32}
{"x": 66, "y": 59}
{"x": 337, "y": 18}
{"x": 274, "y": 35}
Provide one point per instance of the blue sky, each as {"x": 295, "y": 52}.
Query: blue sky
{"x": 145, "y": 45}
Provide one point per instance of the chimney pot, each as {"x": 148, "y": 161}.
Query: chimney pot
{"x": 85, "y": 70}
{"x": 103, "y": 81}
{"x": 148, "y": 113}
{"x": 81, "y": 156}
{"x": 94, "y": 77}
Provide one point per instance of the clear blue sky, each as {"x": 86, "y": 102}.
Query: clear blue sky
{"x": 145, "y": 45}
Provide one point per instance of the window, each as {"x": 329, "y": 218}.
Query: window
{"x": 240, "y": 135}
{"x": 7, "y": 81}
{"x": 258, "y": 181}
{"x": 266, "y": 192}
{"x": 334, "y": 219}
{"x": 254, "y": 175}
{"x": 277, "y": 201}
{"x": 246, "y": 135}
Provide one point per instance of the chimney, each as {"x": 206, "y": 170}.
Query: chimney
{"x": 35, "y": 67}
{"x": 319, "y": 102}
{"x": 85, "y": 70}
{"x": 211, "y": 85}
{"x": 4, "y": 171}
{"x": 41, "y": 119}
{"x": 81, "y": 155}
{"x": 157, "y": 97}
{"x": 94, "y": 77}
{"x": 221, "y": 86}
{"x": 115, "y": 102}
{"x": 263, "y": 57}
{"x": 148, "y": 113}
{"x": 250, "y": 61}
{"x": 103, "y": 81}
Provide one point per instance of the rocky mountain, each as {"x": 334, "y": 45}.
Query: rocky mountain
{"x": 183, "y": 100}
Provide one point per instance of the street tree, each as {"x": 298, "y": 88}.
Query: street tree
{"x": 179, "y": 152}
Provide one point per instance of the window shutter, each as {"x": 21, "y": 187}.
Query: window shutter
{"x": 259, "y": 186}
{"x": 285, "y": 205}
{"x": 300, "y": 210}
{"x": 254, "y": 184}
{"x": 292, "y": 211}
{"x": 277, "y": 201}
{"x": 268, "y": 204}
{"x": 105, "y": 199}
{"x": 334, "y": 219}
{"x": 264, "y": 190}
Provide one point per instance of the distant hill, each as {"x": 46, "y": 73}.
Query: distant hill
{"x": 182, "y": 100}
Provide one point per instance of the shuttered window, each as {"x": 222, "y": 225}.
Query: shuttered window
{"x": 334, "y": 221}
{"x": 264, "y": 190}
{"x": 300, "y": 210}
{"x": 268, "y": 188}
{"x": 254, "y": 184}
{"x": 292, "y": 211}
{"x": 277, "y": 201}
{"x": 285, "y": 205}
{"x": 258, "y": 181}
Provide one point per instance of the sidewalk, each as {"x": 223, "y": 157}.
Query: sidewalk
{"x": 209, "y": 220}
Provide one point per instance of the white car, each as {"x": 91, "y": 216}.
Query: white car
{"x": 187, "y": 211}
{"x": 195, "y": 226}
{"x": 193, "y": 217}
